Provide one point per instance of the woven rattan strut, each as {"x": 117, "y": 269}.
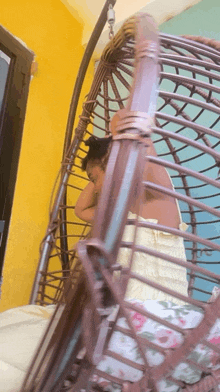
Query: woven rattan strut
{"x": 186, "y": 137}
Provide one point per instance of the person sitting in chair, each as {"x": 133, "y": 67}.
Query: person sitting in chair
{"x": 156, "y": 207}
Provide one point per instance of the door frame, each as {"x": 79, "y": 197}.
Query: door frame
{"x": 12, "y": 118}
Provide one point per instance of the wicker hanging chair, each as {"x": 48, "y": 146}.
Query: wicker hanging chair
{"x": 187, "y": 140}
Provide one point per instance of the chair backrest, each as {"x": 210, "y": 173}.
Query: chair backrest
{"x": 186, "y": 138}
{"x": 185, "y": 135}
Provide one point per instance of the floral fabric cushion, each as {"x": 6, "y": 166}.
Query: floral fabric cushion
{"x": 22, "y": 328}
{"x": 186, "y": 316}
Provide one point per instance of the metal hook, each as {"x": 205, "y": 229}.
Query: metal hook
{"x": 111, "y": 20}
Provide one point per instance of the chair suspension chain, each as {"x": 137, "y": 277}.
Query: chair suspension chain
{"x": 111, "y": 21}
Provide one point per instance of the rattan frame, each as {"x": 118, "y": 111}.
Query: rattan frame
{"x": 120, "y": 51}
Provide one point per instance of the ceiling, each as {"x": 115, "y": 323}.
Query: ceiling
{"x": 87, "y": 11}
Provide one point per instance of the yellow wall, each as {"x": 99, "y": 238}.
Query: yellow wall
{"x": 47, "y": 27}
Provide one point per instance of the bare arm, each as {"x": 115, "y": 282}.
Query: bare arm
{"x": 152, "y": 172}
{"x": 86, "y": 203}
{"x": 157, "y": 174}
{"x": 157, "y": 204}
{"x": 154, "y": 204}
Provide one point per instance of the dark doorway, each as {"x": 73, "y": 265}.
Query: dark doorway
{"x": 15, "y": 75}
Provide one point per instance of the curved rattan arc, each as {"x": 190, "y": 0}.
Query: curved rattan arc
{"x": 186, "y": 137}
{"x": 105, "y": 80}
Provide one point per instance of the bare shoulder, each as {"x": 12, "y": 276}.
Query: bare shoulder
{"x": 154, "y": 172}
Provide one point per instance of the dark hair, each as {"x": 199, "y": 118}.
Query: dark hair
{"x": 98, "y": 149}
